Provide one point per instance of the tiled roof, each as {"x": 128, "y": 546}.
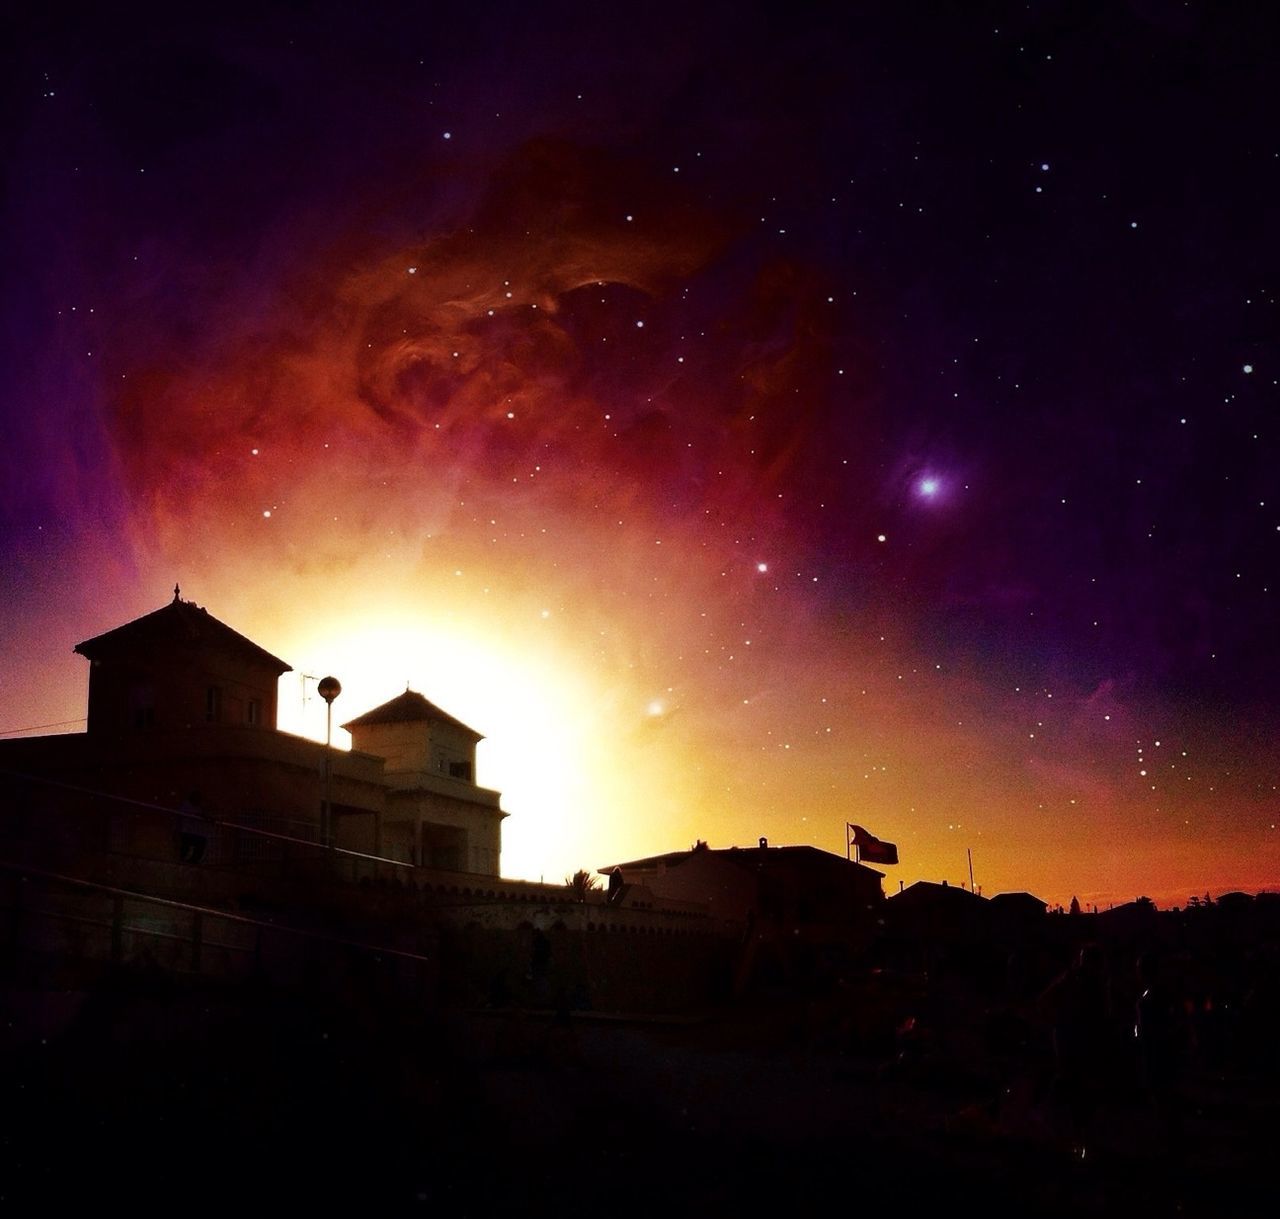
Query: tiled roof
{"x": 180, "y": 622}
{"x": 407, "y": 708}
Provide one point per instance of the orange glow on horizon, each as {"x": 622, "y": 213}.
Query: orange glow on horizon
{"x": 591, "y": 776}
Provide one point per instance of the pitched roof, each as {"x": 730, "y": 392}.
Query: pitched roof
{"x": 408, "y": 708}
{"x": 180, "y": 622}
{"x": 928, "y": 892}
{"x": 1019, "y": 897}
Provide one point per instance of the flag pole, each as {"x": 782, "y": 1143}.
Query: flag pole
{"x": 971, "y": 888}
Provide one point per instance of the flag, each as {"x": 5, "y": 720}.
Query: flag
{"x": 870, "y": 848}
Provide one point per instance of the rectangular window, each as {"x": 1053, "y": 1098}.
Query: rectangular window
{"x": 253, "y": 711}
{"x": 460, "y": 770}
{"x": 142, "y": 706}
{"x": 213, "y": 704}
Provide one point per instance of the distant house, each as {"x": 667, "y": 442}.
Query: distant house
{"x": 182, "y": 712}
{"x": 1234, "y": 901}
{"x": 797, "y": 891}
{"x": 939, "y": 911}
{"x": 1017, "y": 909}
{"x": 1140, "y": 910}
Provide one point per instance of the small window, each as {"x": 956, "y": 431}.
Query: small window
{"x": 460, "y": 770}
{"x": 142, "y": 706}
{"x": 213, "y": 704}
{"x": 253, "y": 711}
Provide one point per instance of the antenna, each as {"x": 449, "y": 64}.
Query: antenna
{"x": 303, "y": 678}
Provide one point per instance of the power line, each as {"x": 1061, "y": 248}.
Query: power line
{"x": 37, "y": 727}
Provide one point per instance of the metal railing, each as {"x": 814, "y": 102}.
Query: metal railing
{"x": 76, "y": 921}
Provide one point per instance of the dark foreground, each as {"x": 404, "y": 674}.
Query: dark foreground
{"x": 156, "y": 1093}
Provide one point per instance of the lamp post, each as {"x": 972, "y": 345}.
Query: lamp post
{"x": 328, "y": 689}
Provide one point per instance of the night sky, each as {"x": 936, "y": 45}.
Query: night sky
{"x": 751, "y": 421}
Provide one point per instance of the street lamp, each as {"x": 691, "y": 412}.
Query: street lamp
{"x": 328, "y": 689}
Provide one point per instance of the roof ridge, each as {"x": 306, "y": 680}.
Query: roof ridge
{"x": 408, "y": 707}
{"x": 182, "y": 615}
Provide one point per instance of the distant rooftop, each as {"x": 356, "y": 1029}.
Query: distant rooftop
{"x": 407, "y": 708}
{"x": 746, "y": 856}
{"x": 180, "y": 622}
{"x": 930, "y": 892}
{"x": 1019, "y": 897}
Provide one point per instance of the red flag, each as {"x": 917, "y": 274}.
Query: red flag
{"x": 871, "y": 849}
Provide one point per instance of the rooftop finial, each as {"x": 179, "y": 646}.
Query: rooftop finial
{"x": 177, "y": 594}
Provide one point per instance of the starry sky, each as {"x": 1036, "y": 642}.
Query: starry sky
{"x": 751, "y": 420}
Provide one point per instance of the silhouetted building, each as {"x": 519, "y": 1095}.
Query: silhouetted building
{"x": 178, "y": 667}
{"x": 1018, "y": 909}
{"x": 435, "y": 816}
{"x": 938, "y": 911}
{"x": 1234, "y": 901}
{"x": 799, "y": 889}
{"x": 182, "y": 709}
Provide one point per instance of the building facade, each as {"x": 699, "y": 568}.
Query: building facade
{"x": 436, "y": 815}
{"x": 182, "y": 714}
